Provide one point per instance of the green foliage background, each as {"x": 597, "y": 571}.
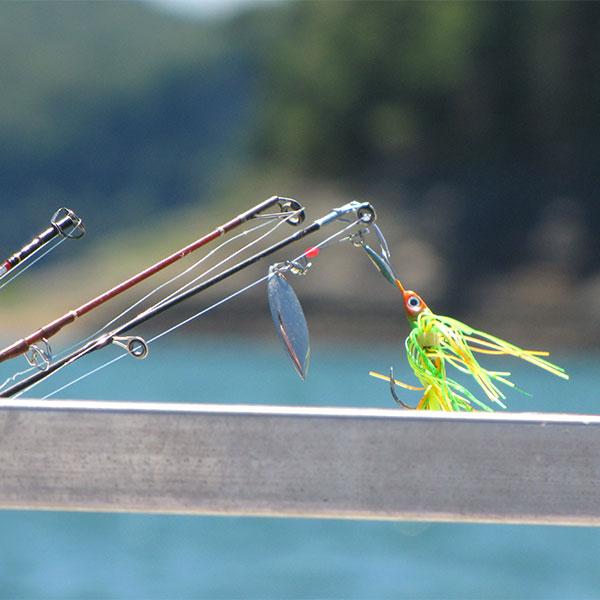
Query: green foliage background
{"x": 480, "y": 120}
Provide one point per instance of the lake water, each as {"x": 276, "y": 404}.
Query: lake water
{"x": 78, "y": 555}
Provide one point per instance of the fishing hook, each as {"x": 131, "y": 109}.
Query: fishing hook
{"x": 393, "y": 391}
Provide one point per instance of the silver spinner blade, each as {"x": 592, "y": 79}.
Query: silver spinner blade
{"x": 289, "y": 321}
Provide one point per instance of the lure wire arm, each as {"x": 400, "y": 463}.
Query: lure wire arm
{"x": 365, "y": 214}
{"x": 381, "y": 260}
{"x": 385, "y": 249}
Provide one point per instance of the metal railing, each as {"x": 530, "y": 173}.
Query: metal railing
{"x": 299, "y": 461}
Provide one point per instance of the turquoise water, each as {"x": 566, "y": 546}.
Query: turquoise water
{"x": 58, "y": 555}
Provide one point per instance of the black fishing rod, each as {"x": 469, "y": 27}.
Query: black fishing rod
{"x": 50, "y": 329}
{"x": 137, "y": 346}
{"x": 64, "y": 223}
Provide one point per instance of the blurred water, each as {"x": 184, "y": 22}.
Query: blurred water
{"x": 58, "y": 555}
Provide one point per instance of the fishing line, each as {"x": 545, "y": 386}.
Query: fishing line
{"x": 20, "y": 272}
{"x": 18, "y": 374}
{"x": 42, "y": 334}
{"x": 148, "y": 342}
{"x": 136, "y": 345}
{"x": 184, "y": 322}
{"x": 222, "y": 262}
{"x": 15, "y": 376}
{"x": 177, "y": 276}
{"x": 84, "y": 376}
{"x": 280, "y": 221}
{"x": 244, "y": 289}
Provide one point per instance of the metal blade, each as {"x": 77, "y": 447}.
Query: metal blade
{"x": 289, "y": 321}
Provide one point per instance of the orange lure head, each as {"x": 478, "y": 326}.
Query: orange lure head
{"x": 413, "y": 303}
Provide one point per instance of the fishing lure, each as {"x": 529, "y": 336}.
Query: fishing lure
{"x": 437, "y": 342}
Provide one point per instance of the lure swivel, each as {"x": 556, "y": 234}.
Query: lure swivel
{"x": 298, "y": 267}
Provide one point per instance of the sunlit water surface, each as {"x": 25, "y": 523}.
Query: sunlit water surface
{"x": 58, "y": 555}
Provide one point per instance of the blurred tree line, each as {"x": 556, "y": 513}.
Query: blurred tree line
{"x": 109, "y": 107}
{"x": 496, "y": 103}
{"x": 106, "y": 106}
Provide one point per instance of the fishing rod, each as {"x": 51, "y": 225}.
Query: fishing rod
{"x": 137, "y": 347}
{"x": 286, "y": 206}
{"x": 64, "y": 223}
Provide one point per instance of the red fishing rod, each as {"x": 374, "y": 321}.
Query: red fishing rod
{"x": 64, "y": 223}
{"x": 286, "y": 205}
{"x": 138, "y": 347}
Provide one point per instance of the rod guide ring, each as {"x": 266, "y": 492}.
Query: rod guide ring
{"x": 73, "y": 230}
{"x": 291, "y": 205}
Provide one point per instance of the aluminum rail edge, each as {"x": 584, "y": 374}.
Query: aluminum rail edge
{"x": 299, "y": 462}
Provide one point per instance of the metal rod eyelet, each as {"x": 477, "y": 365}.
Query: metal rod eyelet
{"x": 135, "y": 345}
{"x": 73, "y": 228}
{"x": 39, "y": 355}
{"x": 291, "y": 205}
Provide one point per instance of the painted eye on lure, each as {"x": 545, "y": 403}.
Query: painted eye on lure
{"x": 414, "y": 302}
